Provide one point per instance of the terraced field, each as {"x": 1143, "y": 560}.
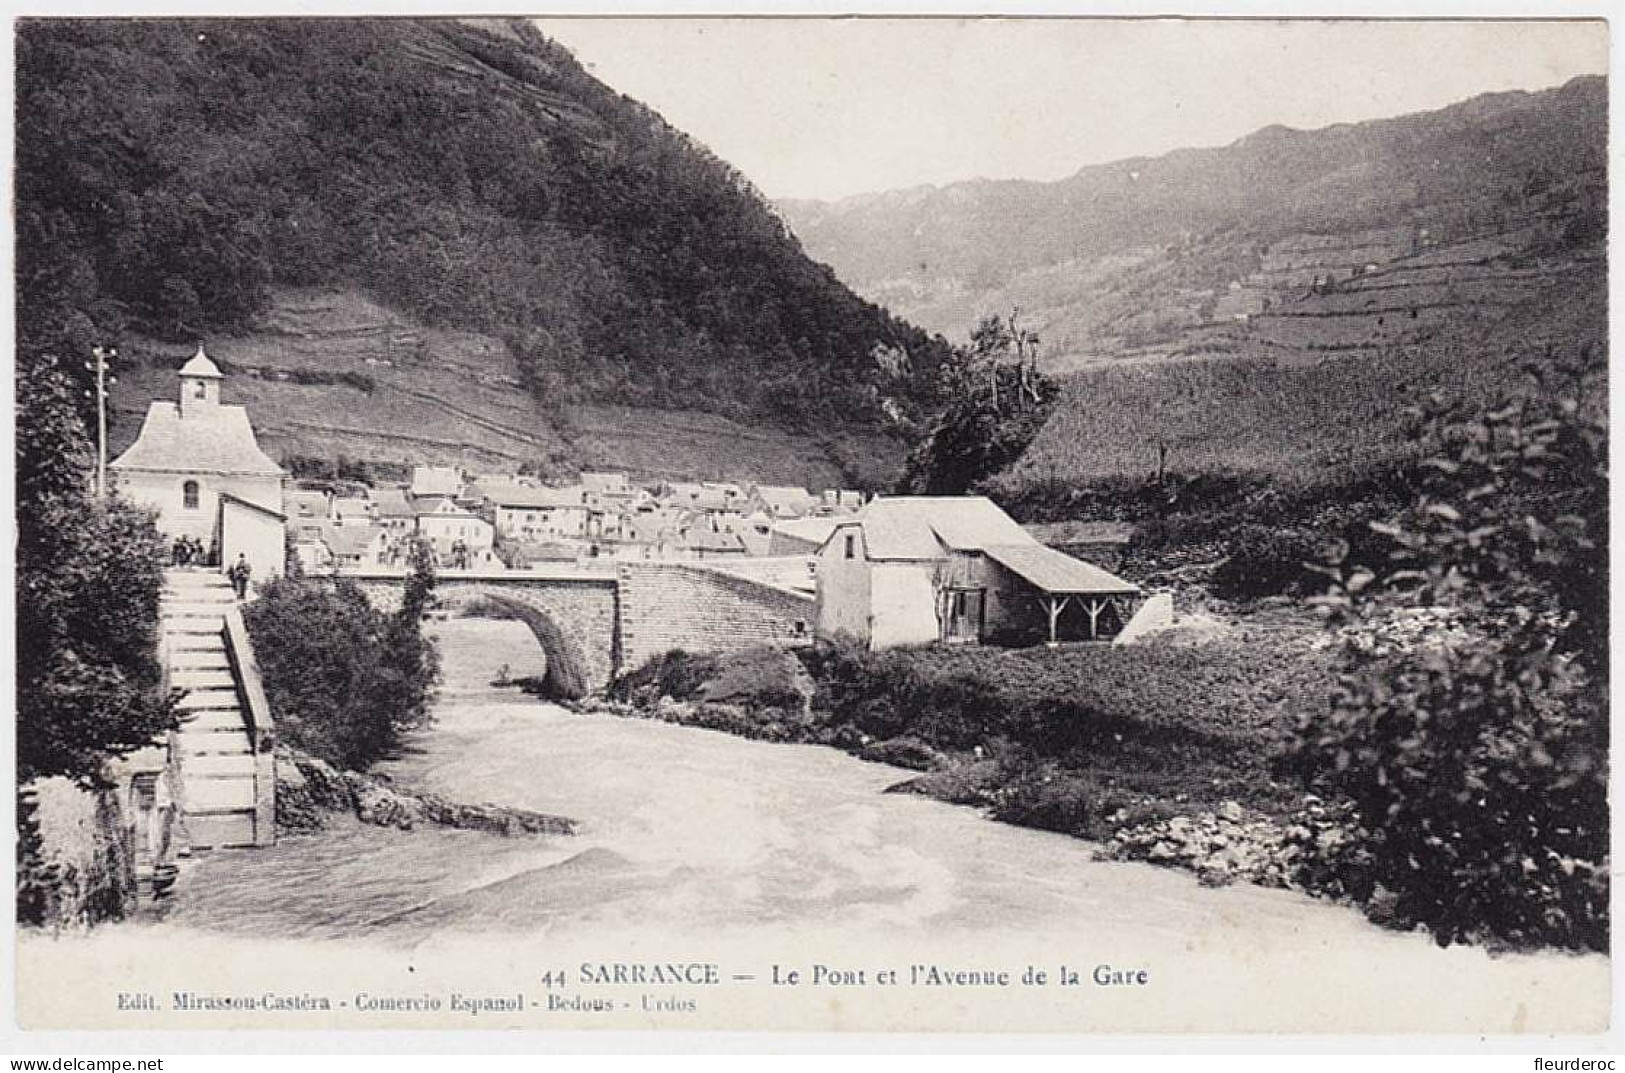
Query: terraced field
{"x": 1324, "y": 394}
{"x": 329, "y": 373}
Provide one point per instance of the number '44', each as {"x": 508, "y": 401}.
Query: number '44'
{"x": 553, "y": 978}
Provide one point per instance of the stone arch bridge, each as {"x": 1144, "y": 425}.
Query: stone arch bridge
{"x": 593, "y": 622}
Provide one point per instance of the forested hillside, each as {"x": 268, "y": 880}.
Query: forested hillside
{"x": 175, "y": 176}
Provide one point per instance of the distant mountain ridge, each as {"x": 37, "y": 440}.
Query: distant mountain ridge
{"x": 1129, "y": 257}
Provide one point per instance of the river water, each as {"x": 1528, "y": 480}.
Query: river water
{"x": 681, "y": 830}
{"x": 698, "y": 841}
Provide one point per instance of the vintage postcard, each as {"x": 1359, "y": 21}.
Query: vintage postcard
{"x": 1073, "y": 525}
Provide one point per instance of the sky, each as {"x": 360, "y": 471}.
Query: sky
{"x": 829, "y": 107}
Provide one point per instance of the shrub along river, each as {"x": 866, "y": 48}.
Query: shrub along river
{"x": 692, "y": 839}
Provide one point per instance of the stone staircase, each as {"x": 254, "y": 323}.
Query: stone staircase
{"x": 222, "y": 770}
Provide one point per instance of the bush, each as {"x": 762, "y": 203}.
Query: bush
{"x": 1265, "y": 560}
{"x": 762, "y": 677}
{"x": 675, "y": 674}
{"x": 344, "y": 680}
{"x": 889, "y": 694}
{"x": 1050, "y": 798}
{"x": 1477, "y": 768}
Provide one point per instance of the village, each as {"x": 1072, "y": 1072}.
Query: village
{"x": 507, "y": 521}
{"x": 890, "y": 571}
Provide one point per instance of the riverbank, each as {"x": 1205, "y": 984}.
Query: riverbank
{"x": 1162, "y": 752}
{"x": 310, "y": 791}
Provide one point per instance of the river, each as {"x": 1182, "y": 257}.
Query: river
{"x": 693, "y": 840}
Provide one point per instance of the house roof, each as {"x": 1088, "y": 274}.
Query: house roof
{"x": 348, "y": 540}
{"x": 1057, "y": 572}
{"x": 269, "y": 512}
{"x": 212, "y": 439}
{"x": 301, "y": 503}
{"x": 605, "y": 482}
{"x": 785, "y": 498}
{"x": 706, "y": 540}
{"x": 456, "y": 513}
{"x": 681, "y": 490}
{"x": 201, "y": 366}
{"x": 714, "y": 500}
{"x": 919, "y": 527}
{"x": 436, "y": 480}
{"x": 813, "y": 530}
{"x": 514, "y": 494}
{"x": 392, "y": 503}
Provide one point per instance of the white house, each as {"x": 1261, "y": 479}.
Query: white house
{"x": 528, "y": 513}
{"x": 356, "y": 545}
{"x": 444, "y": 525}
{"x": 917, "y": 570}
{"x": 197, "y": 464}
{"x": 354, "y": 509}
{"x": 392, "y": 509}
{"x": 307, "y": 510}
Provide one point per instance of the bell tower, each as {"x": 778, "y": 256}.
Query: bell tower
{"x": 200, "y": 385}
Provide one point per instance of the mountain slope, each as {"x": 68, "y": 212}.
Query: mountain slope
{"x": 465, "y": 176}
{"x": 331, "y": 377}
{"x": 1165, "y": 256}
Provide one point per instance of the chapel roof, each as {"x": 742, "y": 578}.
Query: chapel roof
{"x": 214, "y": 439}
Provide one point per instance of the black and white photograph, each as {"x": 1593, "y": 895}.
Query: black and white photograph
{"x": 816, "y": 524}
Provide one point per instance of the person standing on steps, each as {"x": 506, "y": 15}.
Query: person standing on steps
{"x": 239, "y": 574}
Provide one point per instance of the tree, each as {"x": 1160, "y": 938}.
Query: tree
{"x": 89, "y": 576}
{"x": 411, "y": 664}
{"x": 1476, "y": 756}
{"x": 179, "y": 315}
{"x": 995, "y": 407}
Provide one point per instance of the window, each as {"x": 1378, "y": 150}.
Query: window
{"x": 189, "y": 496}
{"x": 851, "y": 545}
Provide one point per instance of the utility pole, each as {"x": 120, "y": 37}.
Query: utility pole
{"x": 101, "y": 366}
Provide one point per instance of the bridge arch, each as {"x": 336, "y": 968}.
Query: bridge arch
{"x": 575, "y": 619}
{"x": 567, "y": 674}
{"x": 592, "y": 622}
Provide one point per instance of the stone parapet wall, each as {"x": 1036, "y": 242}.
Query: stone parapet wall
{"x": 609, "y": 622}
{"x": 682, "y": 605}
